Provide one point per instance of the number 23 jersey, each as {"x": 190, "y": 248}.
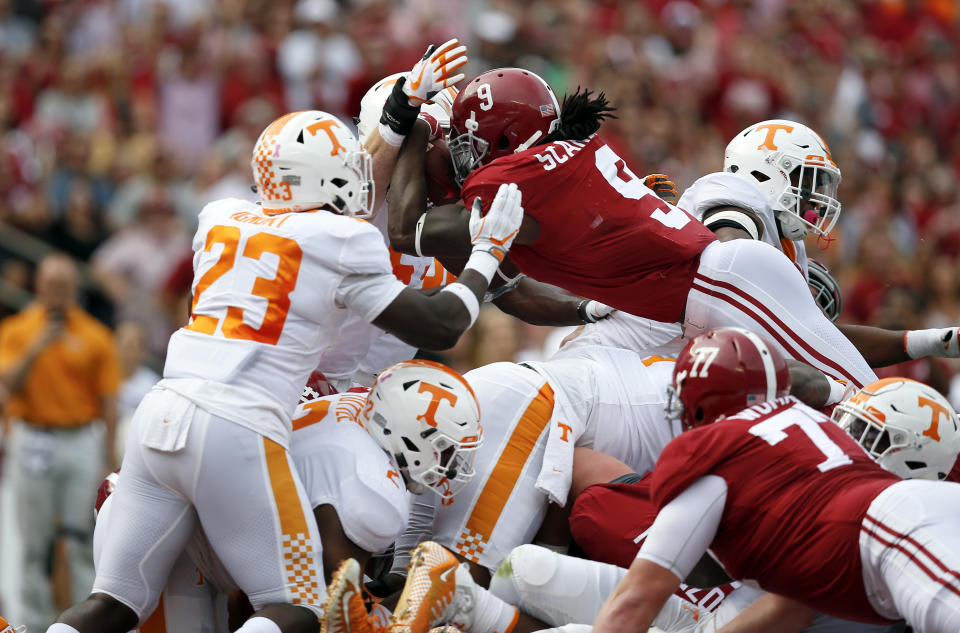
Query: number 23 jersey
{"x": 269, "y": 293}
{"x": 797, "y": 489}
{"x": 603, "y": 234}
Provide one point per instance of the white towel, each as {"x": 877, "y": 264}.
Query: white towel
{"x": 566, "y": 427}
{"x": 163, "y": 420}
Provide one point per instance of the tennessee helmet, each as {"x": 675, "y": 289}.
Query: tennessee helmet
{"x": 308, "y": 160}
{"x": 426, "y": 416}
{"x": 6, "y": 627}
{"x": 825, "y": 289}
{"x": 792, "y": 166}
{"x": 907, "y": 426}
{"x": 499, "y": 112}
{"x": 722, "y": 372}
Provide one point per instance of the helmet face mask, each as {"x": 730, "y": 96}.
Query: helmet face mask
{"x": 793, "y": 168}
{"x": 467, "y": 151}
{"x": 427, "y": 418}
{"x": 906, "y": 426}
{"x": 310, "y": 160}
{"x": 825, "y": 289}
{"x": 497, "y": 113}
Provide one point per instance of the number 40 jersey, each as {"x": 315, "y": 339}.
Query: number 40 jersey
{"x": 603, "y": 234}
{"x": 270, "y": 295}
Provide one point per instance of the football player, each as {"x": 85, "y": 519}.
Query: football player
{"x": 593, "y": 228}
{"x": 836, "y": 533}
{"x": 273, "y": 284}
{"x": 779, "y": 185}
{"x": 364, "y": 349}
{"x": 352, "y": 477}
{"x": 535, "y": 414}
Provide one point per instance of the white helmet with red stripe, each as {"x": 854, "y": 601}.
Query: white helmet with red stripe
{"x": 907, "y": 426}
{"x": 308, "y": 160}
{"x": 427, "y": 417}
{"x": 792, "y": 166}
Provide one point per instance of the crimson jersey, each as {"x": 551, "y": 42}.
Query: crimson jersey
{"x": 609, "y": 523}
{"x": 797, "y": 489}
{"x": 603, "y": 234}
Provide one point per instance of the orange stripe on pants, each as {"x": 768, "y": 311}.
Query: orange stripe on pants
{"x": 503, "y": 478}
{"x": 157, "y": 622}
{"x": 297, "y": 547}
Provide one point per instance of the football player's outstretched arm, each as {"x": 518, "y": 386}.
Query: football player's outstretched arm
{"x": 638, "y": 598}
{"x": 447, "y": 232}
{"x": 888, "y": 347}
{"x": 435, "y": 321}
{"x": 771, "y": 612}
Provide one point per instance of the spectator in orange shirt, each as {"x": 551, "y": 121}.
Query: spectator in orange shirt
{"x": 60, "y": 367}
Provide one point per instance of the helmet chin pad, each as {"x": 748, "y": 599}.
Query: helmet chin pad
{"x": 792, "y": 227}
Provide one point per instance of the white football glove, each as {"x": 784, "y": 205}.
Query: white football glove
{"x": 435, "y": 71}
{"x": 496, "y": 231}
{"x": 591, "y": 311}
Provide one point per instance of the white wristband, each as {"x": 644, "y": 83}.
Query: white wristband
{"x": 418, "y": 233}
{"x": 933, "y": 342}
{"x": 465, "y": 295}
{"x": 390, "y": 137}
{"x": 484, "y": 262}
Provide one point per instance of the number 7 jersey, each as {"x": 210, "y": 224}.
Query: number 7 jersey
{"x": 603, "y": 234}
{"x": 798, "y": 488}
{"x": 268, "y": 300}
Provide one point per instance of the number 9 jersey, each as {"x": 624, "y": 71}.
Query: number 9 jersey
{"x": 603, "y": 234}
{"x": 269, "y": 298}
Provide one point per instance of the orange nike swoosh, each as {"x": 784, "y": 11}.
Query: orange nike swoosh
{"x": 416, "y": 84}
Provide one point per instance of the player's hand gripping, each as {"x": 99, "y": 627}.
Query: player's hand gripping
{"x": 496, "y": 231}
{"x": 662, "y": 186}
{"x": 436, "y": 70}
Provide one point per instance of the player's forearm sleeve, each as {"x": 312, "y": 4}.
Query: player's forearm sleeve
{"x": 419, "y": 529}
{"x": 368, "y": 295}
{"x": 685, "y": 527}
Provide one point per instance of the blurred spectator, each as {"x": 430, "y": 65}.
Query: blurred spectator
{"x": 133, "y": 265}
{"x": 81, "y": 229}
{"x": 17, "y": 34}
{"x": 60, "y": 367}
{"x": 137, "y": 379}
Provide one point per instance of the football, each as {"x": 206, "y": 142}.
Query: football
{"x": 441, "y": 185}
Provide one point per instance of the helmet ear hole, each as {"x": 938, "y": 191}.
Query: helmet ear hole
{"x": 504, "y": 142}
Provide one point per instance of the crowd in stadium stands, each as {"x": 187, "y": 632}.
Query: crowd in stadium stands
{"x": 119, "y": 119}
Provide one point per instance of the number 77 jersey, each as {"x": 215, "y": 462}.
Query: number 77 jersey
{"x": 603, "y": 234}
{"x": 268, "y": 300}
{"x": 798, "y": 488}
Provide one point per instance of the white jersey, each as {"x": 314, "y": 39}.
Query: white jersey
{"x": 724, "y": 188}
{"x": 627, "y": 395}
{"x": 343, "y": 466}
{"x": 626, "y": 331}
{"x": 533, "y": 415}
{"x": 364, "y": 349}
{"x": 269, "y": 294}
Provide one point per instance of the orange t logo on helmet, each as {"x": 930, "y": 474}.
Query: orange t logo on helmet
{"x": 438, "y": 394}
{"x": 772, "y": 129}
{"x": 327, "y": 126}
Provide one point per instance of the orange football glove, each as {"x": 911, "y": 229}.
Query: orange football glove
{"x": 662, "y": 186}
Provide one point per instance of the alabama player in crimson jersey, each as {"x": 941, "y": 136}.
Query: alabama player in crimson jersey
{"x": 274, "y": 283}
{"x": 593, "y": 228}
{"x": 785, "y": 498}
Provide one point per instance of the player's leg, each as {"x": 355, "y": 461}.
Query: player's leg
{"x": 256, "y": 515}
{"x": 750, "y": 284}
{"x": 910, "y": 548}
{"x": 149, "y": 525}
{"x": 78, "y": 494}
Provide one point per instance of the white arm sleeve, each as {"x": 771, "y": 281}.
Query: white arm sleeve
{"x": 419, "y": 529}
{"x": 685, "y": 527}
{"x": 368, "y": 294}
